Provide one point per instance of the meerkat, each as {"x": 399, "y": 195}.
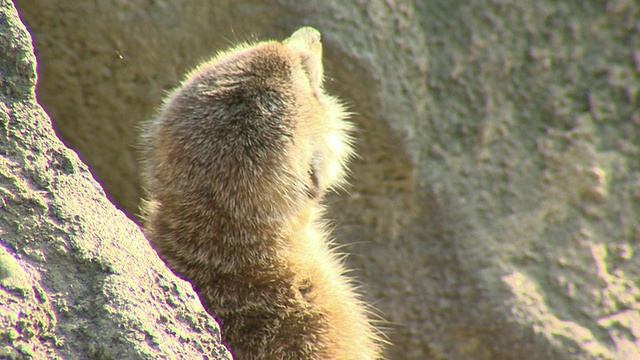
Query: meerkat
{"x": 235, "y": 167}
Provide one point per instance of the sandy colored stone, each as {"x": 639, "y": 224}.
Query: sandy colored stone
{"x": 494, "y": 212}
{"x": 77, "y": 278}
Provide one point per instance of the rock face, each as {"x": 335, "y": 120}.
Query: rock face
{"x": 495, "y": 209}
{"x": 78, "y": 279}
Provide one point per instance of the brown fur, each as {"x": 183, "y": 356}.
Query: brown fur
{"x": 235, "y": 166}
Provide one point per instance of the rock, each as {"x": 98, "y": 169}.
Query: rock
{"x": 494, "y": 212}
{"x": 78, "y": 280}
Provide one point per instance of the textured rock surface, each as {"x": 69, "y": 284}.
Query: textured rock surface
{"x": 77, "y": 278}
{"x": 495, "y": 209}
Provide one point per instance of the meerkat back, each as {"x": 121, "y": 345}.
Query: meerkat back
{"x": 235, "y": 167}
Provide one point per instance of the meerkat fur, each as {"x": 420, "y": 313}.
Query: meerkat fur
{"x": 235, "y": 168}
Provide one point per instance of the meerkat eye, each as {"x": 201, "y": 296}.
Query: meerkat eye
{"x": 305, "y": 287}
{"x": 313, "y": 186}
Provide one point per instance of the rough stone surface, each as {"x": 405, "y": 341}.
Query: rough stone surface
{"x": 78, "y": 279}
{"x": 495, "y": 209}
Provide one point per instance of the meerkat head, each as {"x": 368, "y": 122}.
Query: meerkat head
{"x": 333, "y": 145}
{"x": 252, "y": 130}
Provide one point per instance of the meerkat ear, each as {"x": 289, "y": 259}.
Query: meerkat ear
{"x": 306, "y": 42}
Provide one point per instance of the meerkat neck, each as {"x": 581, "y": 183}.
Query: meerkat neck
{"x": 225, "y": 240}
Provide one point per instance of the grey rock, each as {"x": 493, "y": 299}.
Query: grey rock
{"x": 78, "y": 280}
